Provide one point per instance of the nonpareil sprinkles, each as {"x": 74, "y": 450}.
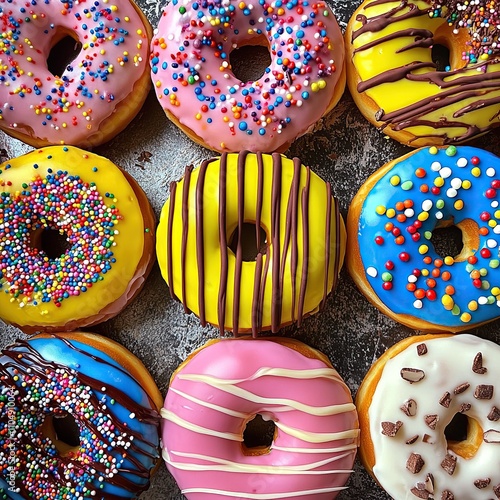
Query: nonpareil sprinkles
{"x": 75, "y": 209}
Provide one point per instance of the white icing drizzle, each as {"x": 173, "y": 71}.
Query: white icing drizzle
{"x": 447, "y": 366}
{"x": 230, "y": 466}
{"x": 223, "y": 385}
{"x": 260, "y": 496}
{"x": 310, "y": 426}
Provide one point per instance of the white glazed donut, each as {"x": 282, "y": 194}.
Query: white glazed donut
{"x": 407, "y": 400}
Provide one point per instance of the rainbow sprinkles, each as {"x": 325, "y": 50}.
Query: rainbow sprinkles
{"x": 194, "y": 82}
{"x": 430, "y": 189}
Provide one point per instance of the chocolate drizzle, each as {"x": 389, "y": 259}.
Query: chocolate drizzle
{"x": 258, "y": 289}
{"x": 170, "y": 271}
{"x": 185, "y": 215}
{"x": 241, "y": 220}
{"x": 221, "y": 312}
{"x": 305, "y": 249}
{"x": 471, "y": 82}
{"x": 200, "y": 249}
{"x": 278, "y": 257}
{"x": 21, "y": 362}
{"x": 275, "y": 239}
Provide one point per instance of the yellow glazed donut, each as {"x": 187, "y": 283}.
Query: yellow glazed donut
{"x": 399, "y": 88}
{"x": 272, "y": 207}
{"x": 406, "y": 404}
{"x": 76, "y": 239}
{"x": 90, "y": 99}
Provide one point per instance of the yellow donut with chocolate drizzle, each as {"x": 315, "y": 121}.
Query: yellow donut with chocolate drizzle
{"x": 230, "y": 205}
{"x": 403, "y": 86}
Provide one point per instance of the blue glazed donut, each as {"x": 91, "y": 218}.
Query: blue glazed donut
{"x": 107, "y": 446}
{"x": 391, "y": 222}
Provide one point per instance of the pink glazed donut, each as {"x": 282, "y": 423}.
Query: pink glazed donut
{"x": 196, "y": 86}
{"x": 260, "y": 419}
{"x": 91, "y": 98}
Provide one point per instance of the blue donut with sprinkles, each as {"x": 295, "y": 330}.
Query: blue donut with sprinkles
{"x": 78, "y": 419}
{"x": 392, "y": 256}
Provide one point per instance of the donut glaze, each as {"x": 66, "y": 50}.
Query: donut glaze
{"x": 80, "y": 106}
{"x": 390, "y": 225}
{"x": 398, "y": 87}
{"x": 46, "y": 378}
{"x": 107, "y": 222}
{"x": 195, "y": 85}
{"x": 417, "y": 460}
{"x": 297, "y": 263}
{"x": 222, "y": 387}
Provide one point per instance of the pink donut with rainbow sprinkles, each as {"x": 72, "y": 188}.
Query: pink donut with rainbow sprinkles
{"x": 98, "y": 82}
{"x": 198, "y": 90}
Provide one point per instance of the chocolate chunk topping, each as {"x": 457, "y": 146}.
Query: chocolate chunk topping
{"x": 431, "y": 421}
{"x": 415, "y": 463}
{"x": 477, "y": 364}
{"x": 390, "y": 428}
{"x": 465, "y": 407}
{"x": 445, "y": 400}
{"x": 494, "y": 414}
{"x": 421, "y": 349}
{"x": 483, "y": 392}
{"x": 482, "y": 483}
{"x": 420, "y": 493}
{"x": 447, "y": 495}
{"x": 449, "y": 463}
{"x": 410, "y": 408}
{"x": 496, "y": 490}
{"x": 491, "y": 436}
{"x": 429, "y": 483}
{"x": 412, "y": 439}
{"x": 412, "y": 375}
{"x": 427, "y": 439}
{"x": 379, "y": 114}
{"x": 461, "y": 388}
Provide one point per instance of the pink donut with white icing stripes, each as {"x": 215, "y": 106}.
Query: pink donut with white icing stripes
{"x": 219, "y": 389}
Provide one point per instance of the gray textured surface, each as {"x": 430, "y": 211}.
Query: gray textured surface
{"x": 344, "y": 149}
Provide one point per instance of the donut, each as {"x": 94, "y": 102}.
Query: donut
{"x": 250, "y": 242}
{"x": 392, "y": 226}
{"x": 430, "y": 421}
{"x": 261, "y": 419}
{"x": 100, "y": 79}
{"x": 79, "y": 418}
{"x": 76, "y": 239}
{"x": 401, "y": 82}
{"x": 195, "y": 82}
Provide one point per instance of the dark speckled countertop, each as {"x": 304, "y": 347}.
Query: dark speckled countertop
{"x": 343, "y": 149}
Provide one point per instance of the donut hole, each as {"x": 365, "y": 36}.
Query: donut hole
{"x": 440, "y": 55}
{"x": 456, "y": 430}
{"x": 250, "y": 61}
{"x": 258, "y": 435}
{"x": 463, "y": 435}
{"x": 253, "y": 241}
{"x": 459, "y": 241}
{"x": 446, "y": 52}
{"x": 63, "y": 52}
{"x": 52, "y": 242}
{"x": 63, "y": 430}
{"x": 447, "y": 241}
